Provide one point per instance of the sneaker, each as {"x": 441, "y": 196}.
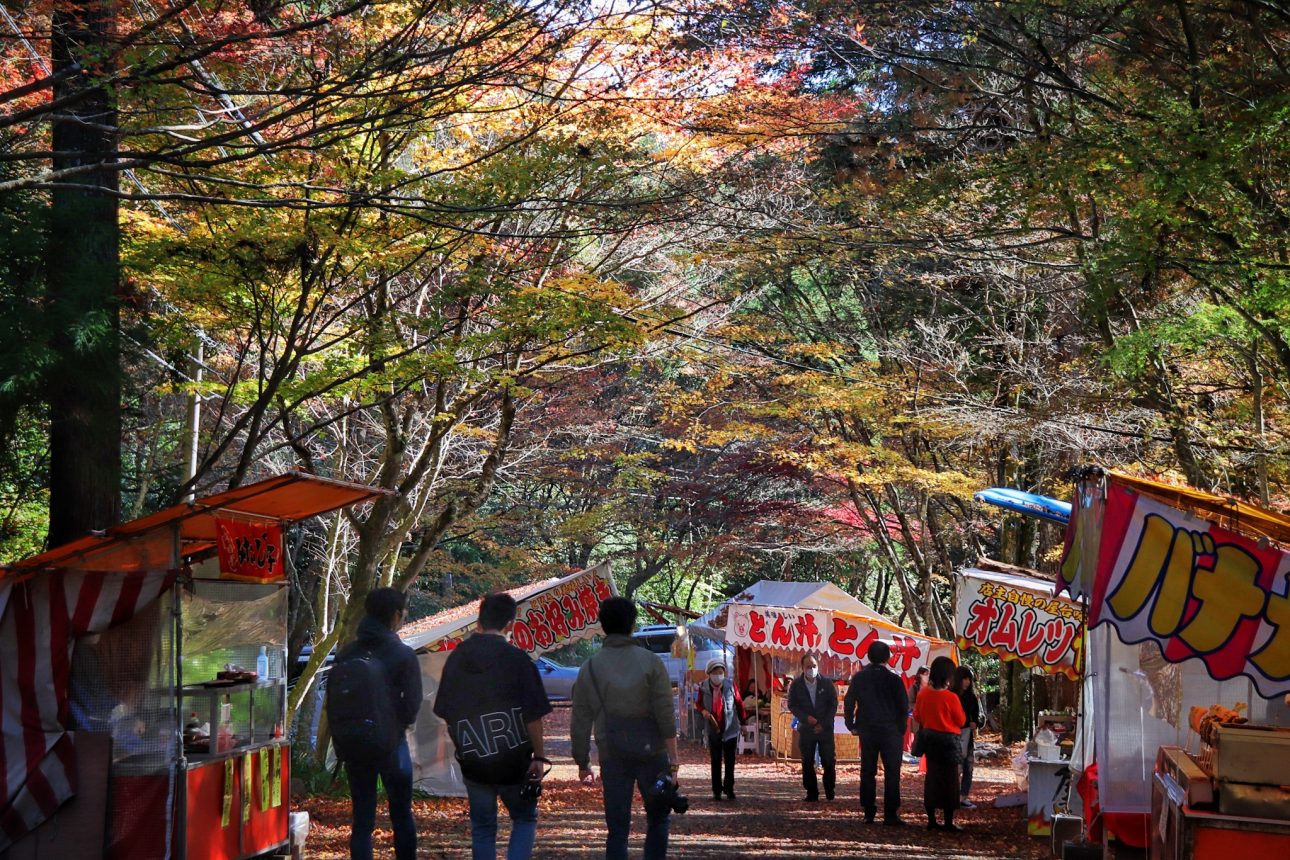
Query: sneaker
{"x": 716, "y": 796}
{"x": 730, "y": 795}
{"x": 967, "y": 804}
{"x": 909, "y": 759}
{"x": 811, "y": 798}
{"x": 894, "y": 822}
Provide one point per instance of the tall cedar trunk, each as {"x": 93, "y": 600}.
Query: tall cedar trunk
{"x": 83, "y": 258}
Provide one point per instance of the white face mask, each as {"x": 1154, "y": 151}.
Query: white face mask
{"x": 717, "y": 678}
{"x": 811, "y": 673}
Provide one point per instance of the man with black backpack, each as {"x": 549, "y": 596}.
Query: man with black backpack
{"x": 492, "y": 699}
{"x": 373, "y": 695}
{"x": 625, "y": 692}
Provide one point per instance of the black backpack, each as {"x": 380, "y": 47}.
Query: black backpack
{"x": 360, "y": 709}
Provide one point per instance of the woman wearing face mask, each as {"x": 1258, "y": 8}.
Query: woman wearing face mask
{"x": 720, "y": 706}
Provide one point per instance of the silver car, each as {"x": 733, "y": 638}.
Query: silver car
{"x": 557, "y": 680}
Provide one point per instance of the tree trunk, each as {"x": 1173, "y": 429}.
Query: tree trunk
{"x": 83, "y": 264}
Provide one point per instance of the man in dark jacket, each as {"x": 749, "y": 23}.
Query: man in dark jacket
{"x": 386, "y": 608}
{"x": 875, "y": 708}
{"x": 492, "y": 699}
{"x": 814, "y": 701}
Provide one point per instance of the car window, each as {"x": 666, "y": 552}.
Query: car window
{"x": 659, "y": 643}
{"x": 703, "y": 643}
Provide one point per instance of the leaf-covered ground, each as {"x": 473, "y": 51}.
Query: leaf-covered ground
{"x": 769, "y": 820}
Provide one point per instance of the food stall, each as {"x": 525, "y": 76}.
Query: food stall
{"x": 1015, "y": 615}
{"x": 772, "y": 624}
{"x": 162, "y": 642}
{"x": 1188, "y": 625}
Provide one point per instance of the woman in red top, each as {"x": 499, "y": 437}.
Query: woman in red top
{"x": 940, "y": 719}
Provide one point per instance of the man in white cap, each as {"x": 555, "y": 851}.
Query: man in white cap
{"x": 720, "y": 706}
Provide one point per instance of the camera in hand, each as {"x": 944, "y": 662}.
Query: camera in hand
{"x": 531, "y": 789}
{"x": 666, "y": 787}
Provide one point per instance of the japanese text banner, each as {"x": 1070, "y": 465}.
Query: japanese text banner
{"x": 249, "y": 551}
{"x": 561, "y": 614}
{"x": 1197, "y": 589}
{"x": 819, "y": 631}
{"x": 1019, "y": 619}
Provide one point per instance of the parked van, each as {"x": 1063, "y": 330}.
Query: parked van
{"x": 660, "y": 637}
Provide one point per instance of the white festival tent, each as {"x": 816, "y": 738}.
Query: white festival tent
{"x": 552, "y": 613}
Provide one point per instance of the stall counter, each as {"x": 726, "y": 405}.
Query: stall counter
{"x": 1180, "y": 831}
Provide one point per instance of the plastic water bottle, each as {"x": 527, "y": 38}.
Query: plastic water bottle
{"x": 262, "y": 664}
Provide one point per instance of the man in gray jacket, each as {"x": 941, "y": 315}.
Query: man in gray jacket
{"x": 630, "y": 684}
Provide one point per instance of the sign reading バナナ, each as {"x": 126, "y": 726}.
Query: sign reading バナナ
{"x": 553, "y": 617}
{"x": 1018, "y": 618}
{"x": 249, "y": 551}
{"x": 820, "y": 631}
{"x": 1197, "y": 589}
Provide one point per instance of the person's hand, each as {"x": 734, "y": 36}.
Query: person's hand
{"x": 810, "y": 721}
{"x": 711, "y": 718}
{"x": 536, "y": 771}
{"x": 586, "y": 776}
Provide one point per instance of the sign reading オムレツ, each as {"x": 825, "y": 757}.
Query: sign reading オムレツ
{"x": 1018, "y": 618}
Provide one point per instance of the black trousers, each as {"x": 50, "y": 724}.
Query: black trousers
{"x": 722, "y": 751}
{"x": 823, "y": 741}
{"x": 941, "y": 787}
{"x": 886, "y": 744}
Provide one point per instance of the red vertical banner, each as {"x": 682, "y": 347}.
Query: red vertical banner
{"x": 249, "y": 551}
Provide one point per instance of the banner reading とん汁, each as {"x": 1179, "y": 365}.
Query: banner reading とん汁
{"x": 831, "y": 634}
{"x": 249, "y": 551}
{"x": 552, "y": 617}
{"x": 1198, "y": 590}
{"x": 1018, "y": 618}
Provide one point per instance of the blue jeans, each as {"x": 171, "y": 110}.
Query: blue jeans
{"x": 616, "y": 781}
{"x": 395, "y": 772}
{"x": 483, "y": 821}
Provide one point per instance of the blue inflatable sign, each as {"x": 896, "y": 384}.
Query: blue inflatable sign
{"x": 1029, "y": 504}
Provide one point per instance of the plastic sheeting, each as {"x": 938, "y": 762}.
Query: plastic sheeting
{"x": 434, "y": 763}
{"x": 1140, "y": 702}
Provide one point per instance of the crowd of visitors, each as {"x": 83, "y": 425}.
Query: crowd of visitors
{"x": 492, "y": 701}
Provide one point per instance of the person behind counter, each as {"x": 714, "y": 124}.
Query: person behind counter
{"x": 940, "y": 719}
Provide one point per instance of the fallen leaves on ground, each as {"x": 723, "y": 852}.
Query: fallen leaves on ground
{"x": 769, "y": 819}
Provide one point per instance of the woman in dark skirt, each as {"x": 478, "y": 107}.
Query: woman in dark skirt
{"x": 941, "y": 719}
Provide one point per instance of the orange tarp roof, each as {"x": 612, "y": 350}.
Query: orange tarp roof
{"x": 150, "y": 541}
{"x": 1228, "y": 513}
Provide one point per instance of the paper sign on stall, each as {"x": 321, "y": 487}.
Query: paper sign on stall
{"x": 249, "y": 551}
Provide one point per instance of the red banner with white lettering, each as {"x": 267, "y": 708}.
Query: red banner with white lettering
{"x": 249, "y": 551}
{"x": 1019, "y": 618}
{"x": 551, "y": 618}
{"x": 828, "y": 634}
{"x": 1198, "y": 590}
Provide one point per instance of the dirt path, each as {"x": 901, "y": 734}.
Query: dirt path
{"x": 769, "y": 820}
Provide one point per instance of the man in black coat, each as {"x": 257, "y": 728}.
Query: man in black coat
{"x": 377, "y": 632}
{"x": 876, "y": 708}
{"x": 814, "y": 701}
